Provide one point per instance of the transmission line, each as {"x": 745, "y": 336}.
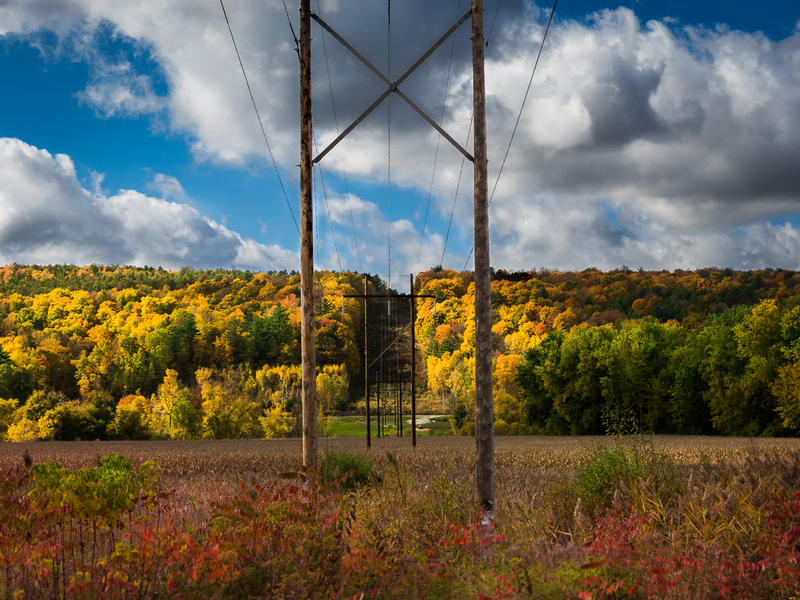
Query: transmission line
{"x": 291, "y": 28}
{"x": 328, "y": 208}
{"x": 455, "y": 196}
{"x": 436, "y": 151}
{"x": 336, "y": 125}
{"x": 258, "y": 115}
{"x": 519, "y": 114}
{"x": 463, "y": 160}
{"x": 389, "y": 145}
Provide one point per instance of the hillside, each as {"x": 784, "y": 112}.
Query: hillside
{"x": 95, "y": 352}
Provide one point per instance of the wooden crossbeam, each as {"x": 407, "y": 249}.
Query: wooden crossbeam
{"x": 392, "y": 86}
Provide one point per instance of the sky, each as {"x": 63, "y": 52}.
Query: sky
{"x": 660, "y": 135}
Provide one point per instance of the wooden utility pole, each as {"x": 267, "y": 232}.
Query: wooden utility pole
{"x": 400, "y": 409}
{"x": 366, "y": 365}
{"x": 309, "y": 387}
{"x": 378, "y": 404}
{"x": 484, "y": 405}
{"x": 412, "y": 301}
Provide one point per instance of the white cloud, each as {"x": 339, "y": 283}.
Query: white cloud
{"x": 122, "y": 94}
{"x": 169, "y": 188}
{"x": 407, "y": 241}
{"x": 46, "y": 216}
{"x": 649, "y": 144}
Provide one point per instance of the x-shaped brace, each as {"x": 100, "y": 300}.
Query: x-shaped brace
{"x": 393, "y": 86}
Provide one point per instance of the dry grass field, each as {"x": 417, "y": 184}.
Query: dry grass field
{"x": 209, "y": 469}
{"x": 518, "y": 458}
{"x": 588, "y": 517}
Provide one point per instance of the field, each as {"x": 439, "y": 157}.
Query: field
{"x": 352, "y": 426}
{"x": 587, "y": 517}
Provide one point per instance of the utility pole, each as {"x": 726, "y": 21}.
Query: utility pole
{"x": 484, "y": 405}
{"x": 378, "y": 403}
{"x": 308, "y": 355}
{"x": 400, "y": 409}
{"x": 366, "y": 365}
{"x": 411, "y": 301}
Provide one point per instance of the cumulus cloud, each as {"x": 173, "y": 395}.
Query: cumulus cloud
{"x": 47, "y": 217}
{"x": 118, "y": 91}
{"x": 678, "y": 150}
{"x": 654, "y": 144}
{"x": 410, "y": 251}
{"x": 169, "y": 188}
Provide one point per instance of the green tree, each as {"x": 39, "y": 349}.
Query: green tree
{"x": 172, "y": 412}
{"x": 14, "y": 381}
{"x": 8, "y": 407}
{"x": 743, "y": 353}
{"x": 534, "y": 378}
{"x": 331, "y": 391}
{"x": 229, "y": 407}
{"x": 270, "y": 333}
{"x": 71, "y": 421}
{"x": 786, "y": 390}
{"x": 130, "y": 419}
{"x": 636, "y": 382}
{"x": 688, "y": 407}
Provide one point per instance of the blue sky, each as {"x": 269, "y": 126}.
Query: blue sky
{"x": 661, "y": 135}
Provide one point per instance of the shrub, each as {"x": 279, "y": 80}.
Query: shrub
{"x": 607, "y": 472}
{"x": 71, "y": 421}
{"x": 350, "y": 471}
{"x": 8, "y": 407}
{"x": 24, "y": 430}
{"x": 128, "y": 424}
{"x": 106, "y": 491}
{"x": 277, "y": 422}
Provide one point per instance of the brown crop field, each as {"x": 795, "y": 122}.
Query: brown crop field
{"x": 525, "y": 465}
{"x": 588, "y": 517}
{"x": 518, "y": 458}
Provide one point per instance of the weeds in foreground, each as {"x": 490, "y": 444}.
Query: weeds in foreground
{"x": 604, "y": 474}
{"x": 347, "y": 470}
{"x": 645, "y": 527}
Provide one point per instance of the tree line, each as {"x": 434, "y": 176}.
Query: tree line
{"x": 707, "y": 351}
{"x": 107, "y": 351}
{"x": 181, "y": 354}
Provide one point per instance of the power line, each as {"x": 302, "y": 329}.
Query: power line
{"x": 469, "y": 131}
{"x": 519, "y": 114}
{"x": 455, "y": 196}
{"x": 524, "y": 99}
{"x": 436, "y": 151}
{"x": 494, "y": 21}
{"x": 389, "y": 145}
{"x": 258, "y": 115}
{"x": 328, "y": 209}
{"x": 291, "y": 28}
{"x": 336, "y": 125}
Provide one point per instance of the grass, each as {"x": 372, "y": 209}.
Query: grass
{"x": 356, "y": 426}
{"x": 346, "y": 470}
{"x": 665, "y": 517}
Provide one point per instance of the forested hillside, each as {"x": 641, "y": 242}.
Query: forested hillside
{"x": 100, "y": 352}
{"x": 709, "y": 351}
{"x": 122, "y": 352}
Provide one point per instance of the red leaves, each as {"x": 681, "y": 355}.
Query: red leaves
{"x": 628, "y": 558}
